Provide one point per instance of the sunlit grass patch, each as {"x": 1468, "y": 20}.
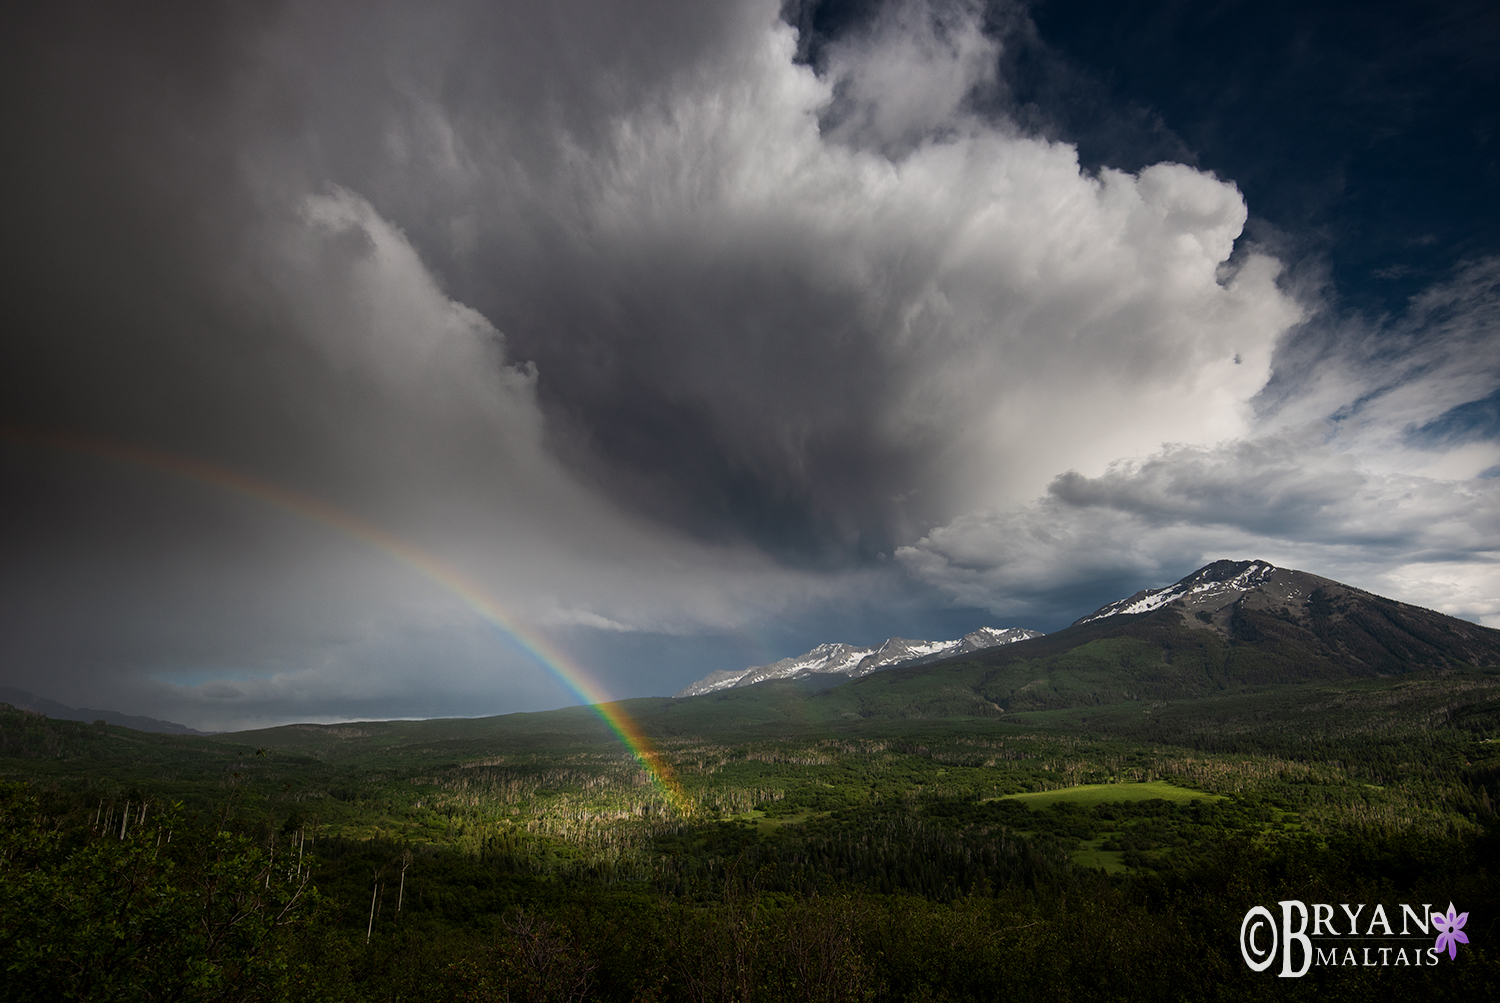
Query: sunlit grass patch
{"x": 1089, "y": 795}
{"x": 761, "y": 820}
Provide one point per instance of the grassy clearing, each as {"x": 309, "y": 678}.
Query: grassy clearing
{"x": 1092, "y": 854}
{"x": 771, "y": 823}
{"x": 1088, "y": 795}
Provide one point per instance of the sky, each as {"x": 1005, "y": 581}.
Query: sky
{"x": 353, "y": 353}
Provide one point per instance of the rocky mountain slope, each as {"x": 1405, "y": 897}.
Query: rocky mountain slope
{"x": 1329, "y": 627}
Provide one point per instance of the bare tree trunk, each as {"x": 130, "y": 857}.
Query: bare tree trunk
{"x": 401, "y": 893}
{"x": 373, "y": 892}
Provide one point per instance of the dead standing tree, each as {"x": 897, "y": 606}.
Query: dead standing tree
{"x": 542, "y": 964}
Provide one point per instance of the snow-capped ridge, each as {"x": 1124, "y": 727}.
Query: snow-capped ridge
{"x": 853, "y": 662}
{"x": 1214, "y": 585}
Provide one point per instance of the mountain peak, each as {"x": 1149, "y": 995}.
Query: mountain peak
{"x": 1215, "y": 586}
{"x": 1274, "y": 624}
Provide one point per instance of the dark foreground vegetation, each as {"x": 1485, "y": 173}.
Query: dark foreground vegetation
{"x": 832, "y": 858}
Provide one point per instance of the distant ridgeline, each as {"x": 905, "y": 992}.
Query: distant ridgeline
{"x": 22, "y": 700}
{"x": 850, "y": 662}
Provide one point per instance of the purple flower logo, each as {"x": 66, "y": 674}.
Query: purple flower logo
{"x": 1450, "y": 930}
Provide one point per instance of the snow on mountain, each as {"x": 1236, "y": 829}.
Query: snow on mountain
{"x": 853, "y": 662}
{"x": 1211, "y": 587}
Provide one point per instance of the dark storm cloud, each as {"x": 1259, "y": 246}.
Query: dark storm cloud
{"x": 721, "y": 379}
{"x": 655, "y": 320}
{"x": 739, "y": 296}
{"x": 181, "y": 274}
{"x": 403, "y": 260}
{"x": 114, "y": 155}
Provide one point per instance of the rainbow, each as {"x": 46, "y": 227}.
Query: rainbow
{"x": 416, "y": 558}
